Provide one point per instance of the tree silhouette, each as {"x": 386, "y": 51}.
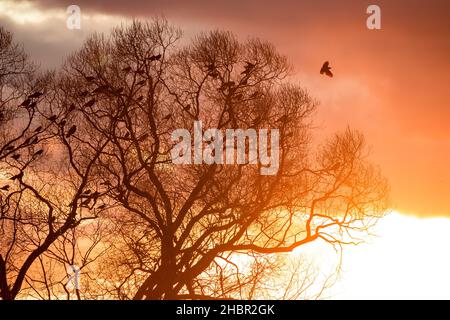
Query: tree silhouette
{"x": 106, "y": 194}
{"x": 178, "y": 227}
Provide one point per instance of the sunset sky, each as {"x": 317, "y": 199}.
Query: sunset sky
{"x": 392, "y": 84}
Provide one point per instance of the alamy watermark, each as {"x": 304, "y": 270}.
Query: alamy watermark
{"x": 209, "y": 148}
{"x": 73, "y": 274}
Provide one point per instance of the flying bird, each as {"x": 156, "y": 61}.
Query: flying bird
{"x": 71, "y": 131}
{"x": 326, "y": 69}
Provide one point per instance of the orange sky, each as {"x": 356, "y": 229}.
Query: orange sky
{"x": 391, "y": 84}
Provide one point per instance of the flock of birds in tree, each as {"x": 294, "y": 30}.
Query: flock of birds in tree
{"x": 87, "y": 196}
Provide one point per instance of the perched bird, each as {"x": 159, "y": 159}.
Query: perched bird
{"x": 35, "y": 95}
{"x": 38, "y": 153}
{"x": 86, "y": 192}
{"x": 155, "y": 57}
{"x": 71, "y": 131}
{"x": 226, "y": 85}
{"x": 100, "y": 89}
{"x": 16, "y": 156}
{"x": 89, "y": 104}
{"x": 167, "y": 117}
{"x": 139, "y": 98}
{"x": 126, "y": 69}
{"x": 187, "y": 107}
{"x": 86, "y": 202}
{"x": 35, "y": 140}
{"x": 38, "y": 129}
{"x": 5, "y": 187}
{"x": 53, "y": 117}
{"x": 32, "y": 105}
{"x": 326, "y": 69}
{"x": 248, "y": 67}
{"x": 27, "y": 140}
{"x": 143, "y": 137}
{"x": 119, "y": 90}
{"x": 71, "y": 108}
{"x": 26, "y": 102}
{"x": 9, "y": 148}
{"x": 90, "y": 78}
{"x": 126, "y": 136}
{"x": 17, "y": 176}
{"x": 84, "y": 93}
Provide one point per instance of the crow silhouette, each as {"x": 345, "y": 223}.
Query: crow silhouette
{"x": 35, "y": 95}
{"x": 89, "y": 104}
{"x": 38, "y": 129}
{"x": 5, "y": 187}
{"x": 26, "y": 103}
{"x": 90, "y": 78}
{"x": 17, "y": 176}
{"x": 38, "y": 153}
{"x": 16, "y": 156}
{"x": 126, "y": 69}
{"x": 71, "y": 131}
{"x": 326, "y": 69}
{"x": 53, "y": 117}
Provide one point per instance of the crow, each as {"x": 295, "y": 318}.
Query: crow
{"x": 155, "y": 57}
{"x": 26, "y": 103}
{"x": 17, "y": 176}
{"x": 119, "y": 90}
{"x": 53, "y": 117}
{"x": 248, "y": 67}
{"x": 38, "y": 129}
{"x": 38, "y": 153}
{"x": 83, "y": 93}
{"x": 90, "y": 78}
{"x": 139, "y": 98}
{"x": 32, "y": 105}
{"x": 5, "y": 187}
{"x": 16, "y": 156}
{"x": 126, "y": 69}
{"x": 35, "y": 140}
{"x": 89, "y": 104}
{"x": 326, "y": 69}
{"x": 35, "y": 95}
{"x": 100, "y": 89}
{"x": 71, "y": 108}
{"x": 9, "y": 148}
{"x": 167, "y": 117}
{"x": 71, "y": 131}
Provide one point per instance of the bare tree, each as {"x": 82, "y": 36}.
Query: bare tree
{"x": 179, "y": 228}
